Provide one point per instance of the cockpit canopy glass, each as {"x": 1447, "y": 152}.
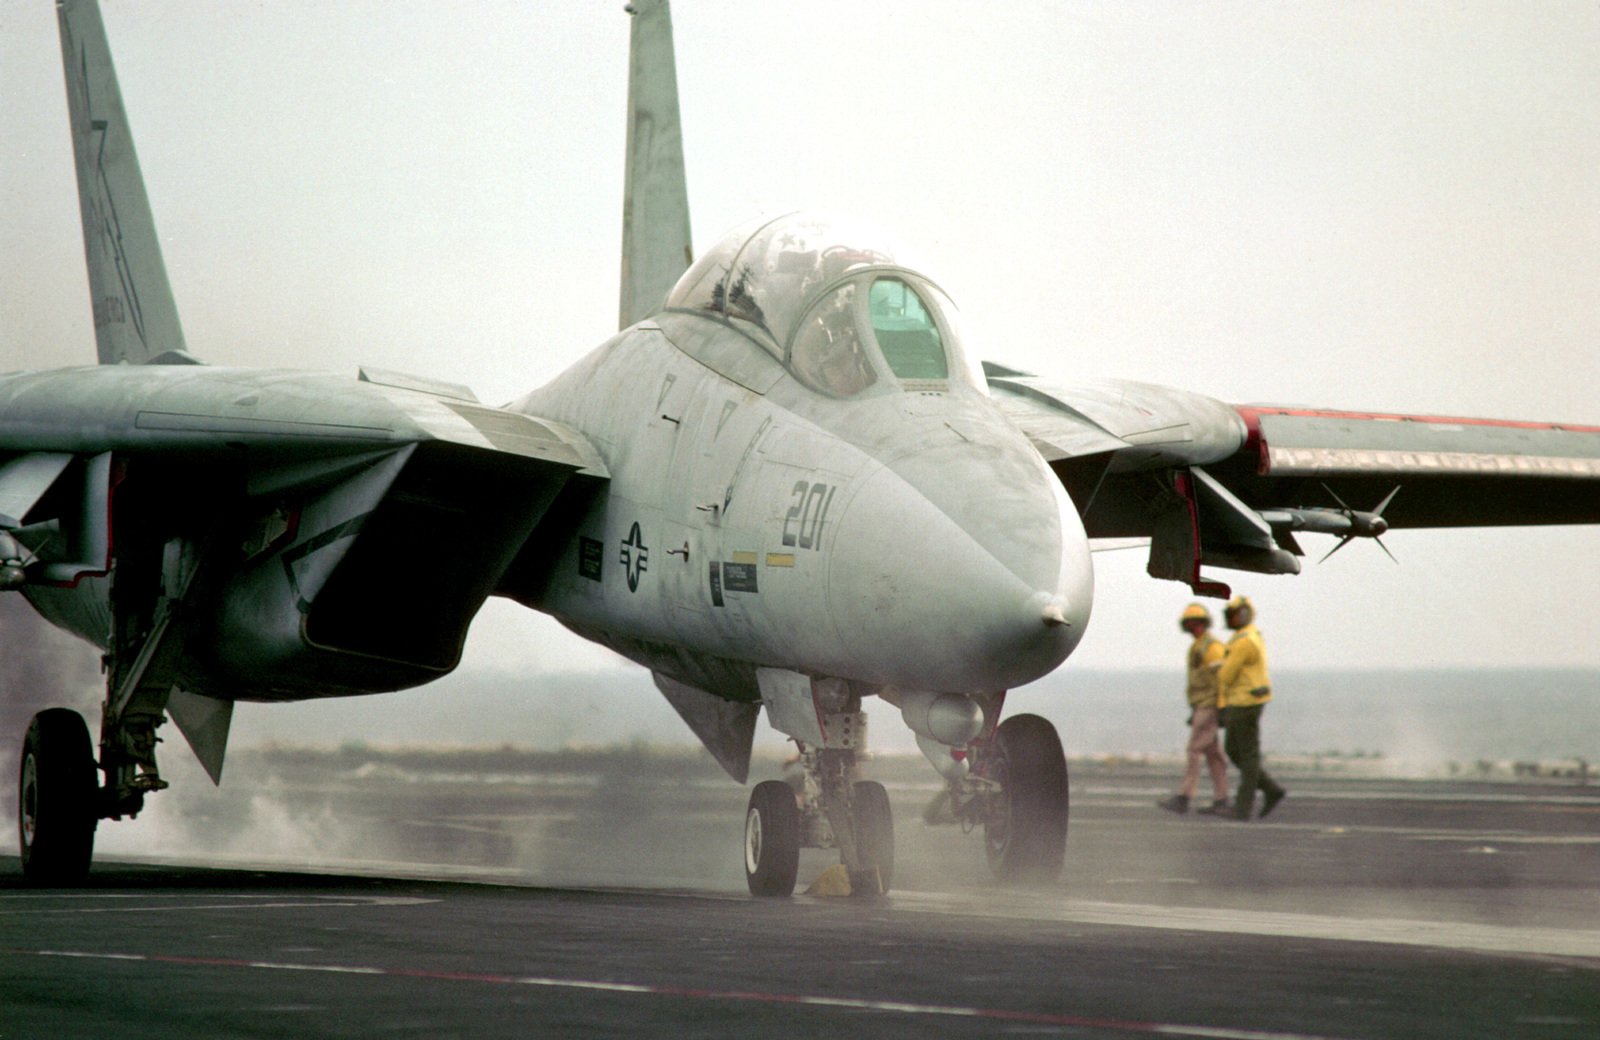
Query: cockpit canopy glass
{"x": 766, "y": 275}
{"x": 906, "y": 331}
{"x": 841, "y": 315}
{"x": 827, "y": 353}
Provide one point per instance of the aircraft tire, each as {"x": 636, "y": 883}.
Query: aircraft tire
{"x": 1025, "y": 827}
{"x": 56, "y": 792}
{"x": 874, "y": 833}
{"x": 772, "y": 840}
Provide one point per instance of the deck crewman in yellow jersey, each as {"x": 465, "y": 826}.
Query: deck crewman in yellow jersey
{"x": 1245, "y": 693}
{"x": 1205, "y": 658}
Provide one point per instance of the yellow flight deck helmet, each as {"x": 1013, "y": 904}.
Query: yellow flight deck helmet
{"x": 1194, "y": 612}
{"x": 1239, "y": 612}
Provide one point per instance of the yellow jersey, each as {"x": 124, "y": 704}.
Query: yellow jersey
{"x": 1205, "y": 653}
{"x": 1243, "y": 678}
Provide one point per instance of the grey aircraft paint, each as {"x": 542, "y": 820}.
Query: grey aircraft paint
{"x": 786, "y": 484}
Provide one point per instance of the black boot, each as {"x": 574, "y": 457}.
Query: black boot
{"x": 1178, "y": 803}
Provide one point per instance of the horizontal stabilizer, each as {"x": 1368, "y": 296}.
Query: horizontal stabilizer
{"x": 421, "y": 384}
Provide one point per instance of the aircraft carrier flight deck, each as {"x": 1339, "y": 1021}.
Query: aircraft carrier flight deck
{"x": 610, "y": 904}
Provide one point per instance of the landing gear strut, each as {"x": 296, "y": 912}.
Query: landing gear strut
{"x": 57, "y": 810}
{"x": 60, "y": 801}
{"x": 1009, "y": 778}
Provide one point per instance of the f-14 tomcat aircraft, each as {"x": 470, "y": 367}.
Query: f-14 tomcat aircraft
{"x": 786, "y": 483}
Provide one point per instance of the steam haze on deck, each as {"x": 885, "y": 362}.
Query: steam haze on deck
{"x": 41, "y": 667}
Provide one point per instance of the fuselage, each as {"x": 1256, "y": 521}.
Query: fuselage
{"x": 899, "y": 533}
{"x": 845, "y": 503}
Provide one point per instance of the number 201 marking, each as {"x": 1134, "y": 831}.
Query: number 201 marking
{"x": 802, "y": 525}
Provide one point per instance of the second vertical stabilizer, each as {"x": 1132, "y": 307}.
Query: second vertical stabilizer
{"x": 135, "y": 319}
{"x": 655, "y": 206}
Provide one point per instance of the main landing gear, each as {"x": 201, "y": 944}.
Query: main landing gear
{"x": 60, "y": 800}
{"x": 58, "y": 791}
{"x": 1020, "y": 795}
{"x": 1012, "y": 783}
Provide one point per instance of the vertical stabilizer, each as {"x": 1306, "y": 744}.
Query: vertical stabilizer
{"x": 655, "y": 205}
{"x": 135, "y": 319}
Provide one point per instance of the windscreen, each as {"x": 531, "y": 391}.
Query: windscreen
{"x": 906, "y": 331}
{"x": 843, "y": 316}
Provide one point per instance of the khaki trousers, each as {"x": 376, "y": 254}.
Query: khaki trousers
{"x": 1203, "y": 748}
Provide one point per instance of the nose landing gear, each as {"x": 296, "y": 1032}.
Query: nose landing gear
{"x": 1016, "y": 791}
{"x": 826, "y": 809}
{"x": 772, "y": 839}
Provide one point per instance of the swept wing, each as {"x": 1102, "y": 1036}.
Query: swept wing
{"x": 1215, "y": 484}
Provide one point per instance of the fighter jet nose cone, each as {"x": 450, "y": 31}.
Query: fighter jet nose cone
{"x": 1019, "y": 637}
{"x": 945, "y": 578}
{"x": 1052, "y": 610}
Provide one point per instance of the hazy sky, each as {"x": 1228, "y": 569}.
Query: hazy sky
{"x": 1385, "y": 206}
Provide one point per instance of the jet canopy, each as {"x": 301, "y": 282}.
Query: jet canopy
{"x": 833, "y": 304}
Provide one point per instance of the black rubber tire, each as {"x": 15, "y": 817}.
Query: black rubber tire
{"x": 772, "y": 840}
{"x": 1025, "y": 828}
{"x": 874, "y": 833}
{"x": 57, "y": 792}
